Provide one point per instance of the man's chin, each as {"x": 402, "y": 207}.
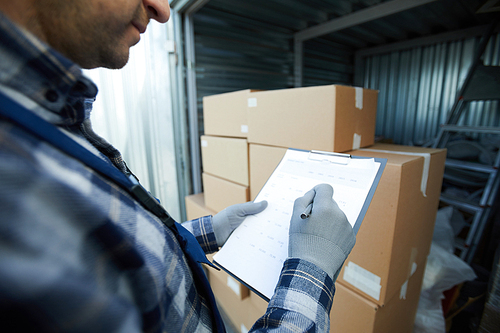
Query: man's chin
{"x": 110, "y": 62}
{"x": 116, "y": 65}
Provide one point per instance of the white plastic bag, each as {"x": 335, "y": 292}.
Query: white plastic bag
{"x": 443, "y": 271}
{"x": 444, "y": 235}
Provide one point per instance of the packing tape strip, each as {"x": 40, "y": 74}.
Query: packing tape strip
{"x": 252, "y": 102}
{"x": 411, "y": 270}
{"x": 404, "y": 290}
{"x": 425, "y": 170}
{"x": 356, "y": 141}
{"x": 234, "y": 285}
{"x": 359, "y": 98}
{"x": 363, "y": 279}
{"x": 413, "y": 261}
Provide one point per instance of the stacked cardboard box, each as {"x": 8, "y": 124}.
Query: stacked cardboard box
{"x": 241, "y": 306}
{"x": 328, "y": 118}
{"x": 224, "y": 149}
{"x": 382, "y": 276}
{"x": 225, "y": 171}
{"x": 379, "y": 286}
{"x": 396, "y": 234}
{"x": 196, "y": 207}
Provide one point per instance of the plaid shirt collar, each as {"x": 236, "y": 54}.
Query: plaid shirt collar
{"x": 44, "y": 76}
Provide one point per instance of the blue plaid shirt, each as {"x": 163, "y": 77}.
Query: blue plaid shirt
{"x": 78, "y": 253}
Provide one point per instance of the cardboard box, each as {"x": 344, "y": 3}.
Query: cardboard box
{"x": 258, "y": 302}
{"x": 226, "y": 114}
{"x": 241, "y": 312}
{"x": 239, "y": 290}
{"x": 263, "y": 161}
{"x": 395, "y": 236}
{"x": 221, "y": 193}
{"x": 234, "y": 308}
{"x": 195, "y": 206}
{"x": 253, "y": 314}
{"x": 352, "y": 313}
{"x": 225, "y": 158}
{"x": 329, "y": 118}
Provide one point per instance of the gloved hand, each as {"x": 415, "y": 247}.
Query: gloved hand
{"x": 325, "y": 238}
{"x": 230, "y": 218}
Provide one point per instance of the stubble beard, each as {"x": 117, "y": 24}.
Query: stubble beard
{"x": 114, "y": 50}
{"x": 90, "y": 42}
{"x": 103, "y": 46}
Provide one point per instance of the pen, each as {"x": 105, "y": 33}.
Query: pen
{"x": 305, "y": 214}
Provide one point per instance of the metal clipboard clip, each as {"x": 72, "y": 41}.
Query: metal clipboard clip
{"x": 325, "y": 156}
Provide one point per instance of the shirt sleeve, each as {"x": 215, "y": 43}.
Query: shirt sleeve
{"x": 301, "y": 302}
{"x": 203, "y": 230}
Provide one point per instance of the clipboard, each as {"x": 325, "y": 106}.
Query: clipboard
{"x": 255, "y": 252}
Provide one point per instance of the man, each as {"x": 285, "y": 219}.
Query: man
{"x": 83, "y": 247}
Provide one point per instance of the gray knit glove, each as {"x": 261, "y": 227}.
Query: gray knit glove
{"x": 325, "y": 238}
{"x": 230, "y": 218}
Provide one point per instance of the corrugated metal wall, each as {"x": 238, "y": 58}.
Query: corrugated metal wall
{"x": 234, "y": 53}
{"x": 327, "y": 62}
{"x": 235, "y": 50}
{"x": 418, "y": 87}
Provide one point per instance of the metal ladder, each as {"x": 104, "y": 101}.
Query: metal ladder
{"x": 481, "y": 83}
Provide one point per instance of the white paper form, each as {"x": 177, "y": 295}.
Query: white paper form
{"x": 257, "y": 249}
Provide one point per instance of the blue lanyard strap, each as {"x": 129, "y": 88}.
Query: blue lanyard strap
{"x": 46, "y": 131}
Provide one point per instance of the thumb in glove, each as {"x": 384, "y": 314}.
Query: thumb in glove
{"x": 230, "y": 218}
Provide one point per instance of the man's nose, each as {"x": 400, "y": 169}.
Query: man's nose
{"x": 158, "y": 10}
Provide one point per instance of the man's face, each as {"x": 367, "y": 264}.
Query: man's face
{"x": 97, "y": 33}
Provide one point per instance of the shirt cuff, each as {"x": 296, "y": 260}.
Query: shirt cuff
{"x": 203, "y": 231}
{"x": 307, "y": 289}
